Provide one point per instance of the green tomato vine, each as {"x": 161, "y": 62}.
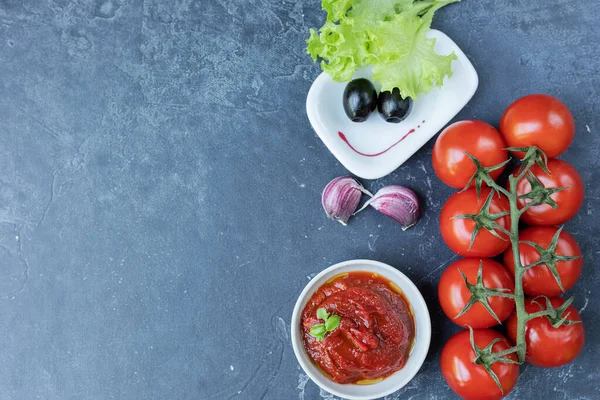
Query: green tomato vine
{"x": 484, "y": 220}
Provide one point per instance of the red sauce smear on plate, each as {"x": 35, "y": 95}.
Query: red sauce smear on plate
{"x": 376, "y": 330}
{"x": 345, "y": 139}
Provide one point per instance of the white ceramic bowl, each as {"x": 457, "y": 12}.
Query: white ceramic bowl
{"x": 430, "y": 113}
{"x": 422, "y": 332}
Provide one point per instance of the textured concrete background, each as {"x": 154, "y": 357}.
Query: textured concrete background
{"x": 160, "y": 192}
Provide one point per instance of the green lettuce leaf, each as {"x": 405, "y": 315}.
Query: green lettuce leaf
{"x": 387, "y": 34}
{"x": 336, "y": 9}
{"x": 368, "y": 11}
{"x": 342, "y": 48}
{"x": 406, "y": 58}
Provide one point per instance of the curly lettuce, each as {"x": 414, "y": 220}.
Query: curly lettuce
{"x": 390, "y": 35}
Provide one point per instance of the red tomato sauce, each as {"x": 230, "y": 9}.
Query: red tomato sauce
{"x": 376, "y": 330}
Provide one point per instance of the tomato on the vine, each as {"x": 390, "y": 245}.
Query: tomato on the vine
{"x": 477, "y": 138}
{"x": 538, "y": 120}
{"x": 548, "y": 346}
{"x": 457, "y": 232}
{"x": 454, "y": 295}
{"x": 539, "y": 280}
{"x": 562, "y": 175}
{"x": 469, "y": 380}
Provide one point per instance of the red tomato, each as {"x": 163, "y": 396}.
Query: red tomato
{"x": 477, "y": 138}
{"x": 457, "y": 232}
{"x": 538, "y": 120}
{"x": 469, "y": 380}
{"x": 548, "y": 346}
{"x": 454, "y": 295}
{"x": 562, "y": 174}
{"x": 539, "y": 280}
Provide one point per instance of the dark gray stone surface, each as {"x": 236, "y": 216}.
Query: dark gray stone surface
{"x": 160, "y": 192}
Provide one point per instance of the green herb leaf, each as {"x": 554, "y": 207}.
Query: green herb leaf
{"x": 318, "y": 331}
{"x": 322, "y": 313}
{"x": 332, "y": 322}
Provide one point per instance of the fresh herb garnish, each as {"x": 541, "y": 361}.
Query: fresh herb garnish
{"x": 331, "y": 323}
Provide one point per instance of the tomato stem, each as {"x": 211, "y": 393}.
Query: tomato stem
{"x": 519, "y": 295}
{"x": 506, "y": 352}
{"x": 484, "y": 219}
{"x": 524, "y": 170}
{"x": 526, "y": 207}
{"x": 519, "y": 270}
{"x": 542, "y": 313}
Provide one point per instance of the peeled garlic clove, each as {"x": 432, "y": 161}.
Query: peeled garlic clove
{"x": 398, "y": 203}
{"x": 341, "y": 197}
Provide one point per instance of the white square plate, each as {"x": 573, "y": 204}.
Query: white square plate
{"x": 374, "y": 148}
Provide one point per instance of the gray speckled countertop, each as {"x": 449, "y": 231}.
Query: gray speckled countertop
{"x": 160, "y": 192}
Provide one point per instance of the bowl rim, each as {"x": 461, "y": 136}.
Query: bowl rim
{"x": 422, "y": 330}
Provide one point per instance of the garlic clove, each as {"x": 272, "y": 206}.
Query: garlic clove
{"x": 397, "y": 202}
{"x": 340, "y": 198}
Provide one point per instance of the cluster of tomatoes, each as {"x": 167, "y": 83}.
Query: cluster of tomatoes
{"x": 535, "y": 120}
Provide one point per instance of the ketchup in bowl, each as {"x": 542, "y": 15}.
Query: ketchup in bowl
{"x": 376, "y": 330}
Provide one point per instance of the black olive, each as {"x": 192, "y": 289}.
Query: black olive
{"x": 360, "y": 99}
{"x": 392, "y": 107}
